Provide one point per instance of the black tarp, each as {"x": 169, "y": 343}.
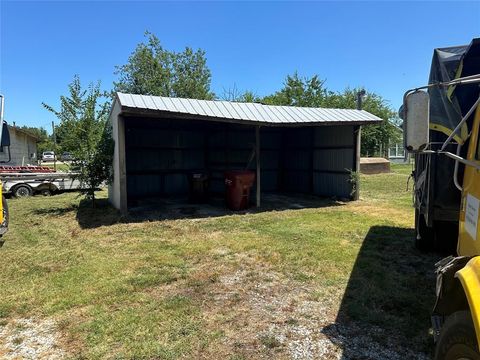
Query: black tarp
{"x": 436, "y": 197}
{"x": 449, "y": 105}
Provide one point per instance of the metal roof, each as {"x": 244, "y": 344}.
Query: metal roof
{"x": 241, "y": 112}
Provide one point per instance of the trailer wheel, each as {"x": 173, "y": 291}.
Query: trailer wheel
{"x": 424, "y": 236}
{"x": 6, "y": 217}
{"x": 46, "y": 192}
{"x": 22, "y": 191}
{"x": 457, "y": 338}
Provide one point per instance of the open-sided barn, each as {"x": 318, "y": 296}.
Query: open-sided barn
{"x": 159, "y": 141}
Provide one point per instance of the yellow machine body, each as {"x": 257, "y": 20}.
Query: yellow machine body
{"x": 469, "y": 230}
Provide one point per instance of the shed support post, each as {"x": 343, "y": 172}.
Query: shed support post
{"x": 122, "y": 165}
{"x": 358, "y": 142}
{"x": 257, "y": 157}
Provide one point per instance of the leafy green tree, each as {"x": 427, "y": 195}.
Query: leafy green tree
{"x": 45, "y": 141}
{"x": 249, "y": 96}
{"x": 86, "y": 134}
{"x": 375, "y": 138}
{"x": 38, "y": 132}
{"x": 299, "y": 91}
{"x": 152, "y": 70}
{"x": 234, "y": 94}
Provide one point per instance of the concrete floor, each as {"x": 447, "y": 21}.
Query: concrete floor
{"x": 178, "y": 208}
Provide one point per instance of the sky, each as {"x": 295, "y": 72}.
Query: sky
{"x": 383, "y": 46}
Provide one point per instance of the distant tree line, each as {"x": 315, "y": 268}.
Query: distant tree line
{"x": 152, "y": 70}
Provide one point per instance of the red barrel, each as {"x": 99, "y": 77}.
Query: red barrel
{"x": 238, "y": 183}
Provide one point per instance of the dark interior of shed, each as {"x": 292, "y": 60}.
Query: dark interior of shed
{"x": 162, "y": 152}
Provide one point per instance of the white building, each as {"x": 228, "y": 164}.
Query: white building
{"x": 23, "y": 148}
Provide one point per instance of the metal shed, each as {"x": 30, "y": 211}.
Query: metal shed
{"x": 160, "y": 140}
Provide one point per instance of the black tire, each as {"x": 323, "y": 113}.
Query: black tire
{"x": 445, "y": 237}
{"x": 46, "y": 192}
{"x": 424, "y": 235}
{"x": 457, "y": 338}
{"x": 6, "y": 217}
{"x": 22, "y": 191}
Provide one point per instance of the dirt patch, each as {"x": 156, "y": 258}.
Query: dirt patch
{"x": 30, "y": 338}
{"x": 261, "y": 313}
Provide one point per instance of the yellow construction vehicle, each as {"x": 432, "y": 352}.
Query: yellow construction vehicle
{"x": 4, "y": 145}
{"x": 442, "y": 130}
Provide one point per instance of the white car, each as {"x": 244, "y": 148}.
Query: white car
{"x": 48, "y": 156}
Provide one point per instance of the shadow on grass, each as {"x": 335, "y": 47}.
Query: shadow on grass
{"x": 388, "y": 298}
{"x": 56, "y": 211}
{"x": 101, "y": 214}
{"x": 155, "y": 209}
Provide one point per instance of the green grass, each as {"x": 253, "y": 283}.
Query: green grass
{"x": 60, "y": 166}
{"x": 392, "y": 188}
{"x": 147, "y": 289}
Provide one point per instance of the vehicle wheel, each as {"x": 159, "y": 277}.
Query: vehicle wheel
{"x": 22, "y": 191}
{"x": 424, "y": 237}
{"x": 46, "y": 192}
{"x": 445, "y": 237}
{"x": 6, "y": 216}
{"x": 457, "y": 338}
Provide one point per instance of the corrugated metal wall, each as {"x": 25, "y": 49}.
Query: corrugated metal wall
{"x": 333, "y": 159}
{"x": 160, "y": 153}
{"x": 229, "y": 147}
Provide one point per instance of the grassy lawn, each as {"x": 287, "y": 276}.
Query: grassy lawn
{"x": 342, "y": 278}
{"x": 59, "y": 166}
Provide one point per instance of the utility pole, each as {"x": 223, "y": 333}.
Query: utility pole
{"x": 358, "y": 139}
{"x": 54, "y": 147}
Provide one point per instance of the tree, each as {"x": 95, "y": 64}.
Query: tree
{"x": 152, "y": 70}
{"x": 233, "y": 94}
{"x": 45, "y": 141}
{"x": 376, "y": 139}
{"x": 299, "y": 91}
{"x": 86, "y": 134}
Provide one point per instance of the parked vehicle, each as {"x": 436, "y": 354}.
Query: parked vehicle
{"x": 66, "y": 156}
{"x": 28, "y": 184}
{"x": 442, "y": 130}
{"x": 48, "y": 156}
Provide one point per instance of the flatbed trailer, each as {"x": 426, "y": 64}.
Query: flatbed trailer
{"x": 23, "y": 184}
